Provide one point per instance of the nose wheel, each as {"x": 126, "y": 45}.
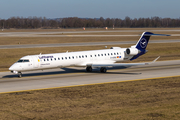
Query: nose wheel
{"x": 19, "y": 74}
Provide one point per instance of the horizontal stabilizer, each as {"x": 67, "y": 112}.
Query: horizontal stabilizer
{"x": 156, "y": 34}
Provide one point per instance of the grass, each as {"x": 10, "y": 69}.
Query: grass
{"x": 68, "y": 39}
{"x": 137, "y": 100}
{"x": 39, "y": 30}
{"x": 167, "y": 51}
{"x": 49, "y": 40}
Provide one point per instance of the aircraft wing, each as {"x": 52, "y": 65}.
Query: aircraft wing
{"x": 122, "y": 64}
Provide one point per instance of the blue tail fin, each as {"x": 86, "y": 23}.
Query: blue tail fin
{"x": 143, "y": 42}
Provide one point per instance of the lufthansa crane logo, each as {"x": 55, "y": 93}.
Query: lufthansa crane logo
{"x": 143, "y": 43}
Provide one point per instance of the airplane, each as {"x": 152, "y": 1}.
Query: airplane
{"x": 102, "y": 59}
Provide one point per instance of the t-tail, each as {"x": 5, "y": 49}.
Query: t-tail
{"x": 141, "y": 45}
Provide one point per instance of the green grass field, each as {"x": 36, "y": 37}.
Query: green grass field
{"x": 136, "y": 100}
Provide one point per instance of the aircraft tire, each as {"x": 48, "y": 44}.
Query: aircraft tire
{"x": 89, "y": 69}
{"x": 19, "y": 74}
{"x": 103, "y": 70}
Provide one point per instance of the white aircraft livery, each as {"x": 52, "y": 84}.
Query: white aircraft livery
{"x": 102, "y": 59}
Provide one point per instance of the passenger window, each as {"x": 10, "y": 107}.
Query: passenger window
{"x": 83, "y": 56}
{"x": 105, "y": 54}
{"x": 117, "y": 53}
{"x": 98, "y": 54}
{"x": 72, "y": 57}
{"x": 95, "y": 55}
{"x": 111, "y": 53}
{"x": 62, "y": 58}
{"x": 114, "y": 53}
{"x": 79, "y": 56}
{"x": 58, "y": 58}
{"x": 54, "y": 58}
{"x": 69, "y": 57}
{"x": 65, "y": 57}
{"x": 108, "y": 54}
{"x": 101, "y": 54}
{"x": 44, "y": 59}
{"x": 86, "y": 56}
{"x": 90, "y": 55}
{"x": 47, "y": 59}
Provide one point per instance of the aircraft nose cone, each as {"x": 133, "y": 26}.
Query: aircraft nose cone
{"x": 11, "y": 68}
{"x": 14, "y": 67}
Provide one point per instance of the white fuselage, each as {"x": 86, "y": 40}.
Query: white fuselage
{"x": 60, "y": 60}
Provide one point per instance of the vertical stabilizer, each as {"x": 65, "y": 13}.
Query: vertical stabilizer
{"x": 143, "y": 41}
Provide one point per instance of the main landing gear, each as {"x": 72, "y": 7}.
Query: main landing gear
{"x": 89, "y": 69}
{"x": 103, "y": 69}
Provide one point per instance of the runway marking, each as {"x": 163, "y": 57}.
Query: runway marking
{"x": 89, "y": 84}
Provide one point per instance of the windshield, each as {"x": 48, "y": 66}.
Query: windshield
{"x": 23, "y": 60}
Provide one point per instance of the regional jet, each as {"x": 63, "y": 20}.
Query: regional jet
{"x": 102, "y": 59}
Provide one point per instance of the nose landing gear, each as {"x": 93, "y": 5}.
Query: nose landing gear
{"x": 19, "y": 74}
{"x": 16, "y": 72}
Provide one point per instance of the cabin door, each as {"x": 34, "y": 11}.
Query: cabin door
{"x": 36, "y": 61}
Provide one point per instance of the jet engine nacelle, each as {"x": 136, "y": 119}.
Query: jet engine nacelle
{"x": 132, "y": 51}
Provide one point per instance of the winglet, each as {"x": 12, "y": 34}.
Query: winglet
{"x": 153, "y": 61}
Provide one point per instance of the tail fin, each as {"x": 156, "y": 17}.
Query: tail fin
{"x": 143, "y": 42}
{"x": 144, "y": 39}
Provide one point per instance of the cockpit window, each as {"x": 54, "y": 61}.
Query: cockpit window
{"x": 23, "y": 60}
{"x": 20, "y": 60}
{"x": 26, "y": 61}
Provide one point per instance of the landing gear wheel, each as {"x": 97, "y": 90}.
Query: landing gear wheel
{"x": 103, "y": 70}
{"x": 89, "y": 69}
{"x": 19, "y": 74}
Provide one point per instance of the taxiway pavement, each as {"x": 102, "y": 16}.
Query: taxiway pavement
{"x": 60, "y": 33}
{"x": 78, "y": 76}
